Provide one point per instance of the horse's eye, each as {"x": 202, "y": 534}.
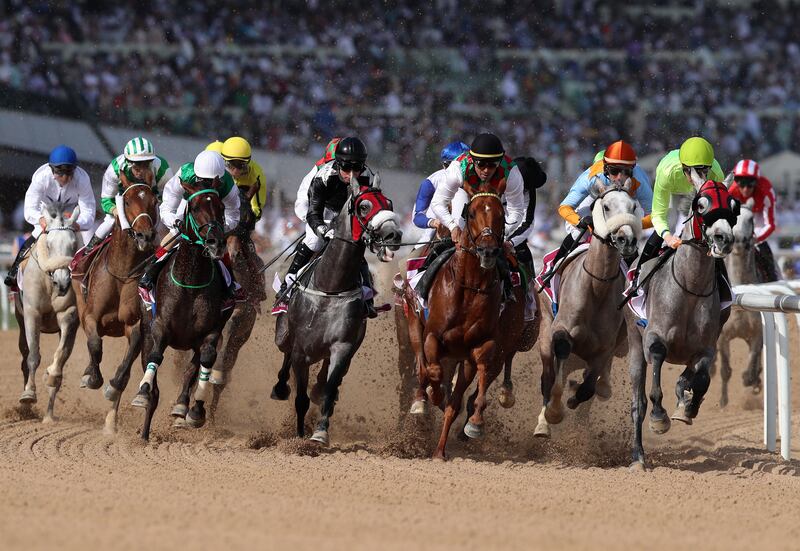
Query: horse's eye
{"x": 605, "y": 208}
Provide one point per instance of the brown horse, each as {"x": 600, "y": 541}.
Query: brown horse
{"x": 464, "y": 321}
{"x": 191, "y": 276}
{"x": 111, "y": 304}
{"x": 237, "y": 331}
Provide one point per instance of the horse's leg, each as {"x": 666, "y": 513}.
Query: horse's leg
{"x": 281, "y": 389}
{"x": 548, "y": 378}
{"x": 659, "y": 421}
{"x": 699, "y": 383}
{"x": 196, "y": 417}
{"x": 92, "y": 376}
{"x": 637, "y": 366}
{"x": 22, "y": 342}
{"x": 151, "y": 407}
{"x": 562, "y": 348}
{"x": 725, "y": 369}
{"x": 301, "y": 400}
{"x": 341, "y": 355}
{"x": 506, "y": 396}
{"x": 434, "y": 368}
{"x": 240, "y": 327}
{"x": 32, "y": 329}
{"x": 586, "y": 389}
{"x": 68, "y": 327}
{"x": 319, "y": 386}
{"x": 419, "y": 406}
{"x": 157, "y": 345}
{"x": 190, "y": 373}
{"x": 753, "y": 372}
{"x": 465, "y": 376}
{"x": 116, "y": 386}
{"x": 488, "y": 370}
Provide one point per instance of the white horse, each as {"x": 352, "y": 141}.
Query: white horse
{"x": 47, "y": 301}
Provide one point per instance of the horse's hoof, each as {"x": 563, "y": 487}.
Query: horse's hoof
{"x": 179, "y": 410}
{"x": 542, "y": 431}
{"x": 196, "y": 420}
{"x": 419, "y": 407}
{"x": 637, "y": 467}
{"x": 602, "y": 390}
{"x": 680, "y": 415}
{"x": 320, "y": 436}
{"x": 141, "y": 400}
{"x": 48, "y": 420}
{"x": 110, "y": 393}
{"x": 474, "y": 431}
{"x": 219, "y": 377}
{"x": 723, "y": 402}
{"x": 179, "y": 423}
{"x": 91, "y": 382}
{"x": 573, "y": 402}
{"x": 506, "y": 398}
{"x": 439, "y": 456}
{"x": 280, "y": 391}
{"x": 554, "y": 415}
{"x": 660, "y": 425}
{"x": 28, "y": 397}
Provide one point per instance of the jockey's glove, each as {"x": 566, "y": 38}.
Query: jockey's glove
{"x": 585, "y": 222}
{"x": 324, "y": 232}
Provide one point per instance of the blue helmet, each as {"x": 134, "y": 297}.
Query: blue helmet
{"x": 63, "y": 155}
{"x": 452, "y": 150}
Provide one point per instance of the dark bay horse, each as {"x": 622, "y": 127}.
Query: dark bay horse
{"x": 464, "y": 321}
{"x": 187, "y": 312}
{"x": 326, "y": 319}
{"x": 588, "y": 322}
{"x": 684, "y": 316}
{"x": 111, "y": 304}
{"x": 243, "y": 318}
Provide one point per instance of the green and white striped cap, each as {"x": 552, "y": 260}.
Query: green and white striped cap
{"x": 139, "y": 149}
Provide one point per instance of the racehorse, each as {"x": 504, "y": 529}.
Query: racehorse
{"x": 742, "y": 324}
{"x": 243, "y": 318}
{"x": 588, "y": 322}
{"x": 684, "y": 314}
{"x": 325, "y": 318}
{"x": 191, "y": 277}
{"x": 464, "y": 318}
{"x": 110, "y": 306}
{"x": 47, "y": 302}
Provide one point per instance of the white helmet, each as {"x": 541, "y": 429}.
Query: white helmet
{"x": 139, "y": 149}
{"x": 209, "y": 164}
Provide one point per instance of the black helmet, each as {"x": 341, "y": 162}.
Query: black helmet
{"x": 532, "y": 174}
{"x": 351, "y": 150}
{"x": 486, "y": 147}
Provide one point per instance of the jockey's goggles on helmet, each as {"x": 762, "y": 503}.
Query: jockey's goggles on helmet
{"x": 745, "y": 181}
{"x": 702, "y": 171}
{"x": 615, "y": 170}
{"x": 486, "y": 164}
{"x": 140, "y": 164}
{"x": 63, "y": 170}
{"x": 352, "y": 167}
{"x": 238, "y": 164}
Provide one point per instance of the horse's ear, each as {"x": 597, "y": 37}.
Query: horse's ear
{"x": 627, "y": 185}
{"x": 750, "y": 203}
{"x": 149, "y": 178}
{"x": 376, "y": 181}
{"x": 253, "y": 189}
{"x": 46, "y": 208}
{"x": 188, "y": 188}
{"x": 596, "y": 189}
{"x": 697, "y": 181}
{"x": 728, "y": 180}
{"x": 74, "y": 216}
{"x": 123, "y": 179}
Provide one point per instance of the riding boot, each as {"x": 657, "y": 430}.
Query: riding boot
{"x": 366, "y": 281}
{"x": 504, "y": 272}
{"x": 766, "y": 268}
{"x": 11, "y": 276}
{"x": 150, "y": 275}
{"x": 649, "y": 252}
{"x": 723, "y": 284}
{"x": 93, "y": 242}
{"x": 302, "y": 255}
{"x": 566, "y": 245}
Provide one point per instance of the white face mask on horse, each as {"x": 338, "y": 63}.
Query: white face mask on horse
{"x": 617, "y": 217}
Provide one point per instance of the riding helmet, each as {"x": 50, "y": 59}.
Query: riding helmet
{"x": 351, "y": 150}
{"x": 487, "y": 147}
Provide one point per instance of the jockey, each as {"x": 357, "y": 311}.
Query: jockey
{"x": 485, "y": 164}
{"x": 423, "y": 215}
{"x": 612, "y": 166}
{"x": 246, "y": 173}
{"x": 301, "y": 202}
{"x": 60, "y": 179}
{"x": 208, "y": 170}
{"x": 328, "y": 190}
{"x": 749, "y": 183}
{"x": 673, "y": 178}
{"x": 533, "y": 177}
{"x": 137, "y": 162}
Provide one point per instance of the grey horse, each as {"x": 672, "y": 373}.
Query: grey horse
{"x": 684, "y": 315}
{"x": 588, "y": 322}
{"x": 325, "y": 319}
{"x": 741, "y": 265}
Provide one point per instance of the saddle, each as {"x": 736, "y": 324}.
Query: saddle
{"x": 431, "y": 268}
{"x": 82, "y": 261}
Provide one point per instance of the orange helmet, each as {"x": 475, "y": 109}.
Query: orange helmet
{"x": 620, "y": 153}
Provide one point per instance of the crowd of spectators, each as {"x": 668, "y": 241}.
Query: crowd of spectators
{"x": 554, "y": 79}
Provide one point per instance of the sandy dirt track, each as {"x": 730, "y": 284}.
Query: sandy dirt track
{"x": 247, "y": 483}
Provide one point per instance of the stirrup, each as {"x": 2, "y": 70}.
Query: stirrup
{"x": 279, "y": 308}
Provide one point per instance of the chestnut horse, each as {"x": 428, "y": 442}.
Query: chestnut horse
{"x": 191, "y": 276}
{"x": 111, "y": 304}
{"x": 464, "y": 318}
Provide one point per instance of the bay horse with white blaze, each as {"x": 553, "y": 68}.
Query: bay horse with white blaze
{"x": 325, "y": 320}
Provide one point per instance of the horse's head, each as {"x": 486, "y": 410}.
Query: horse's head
{"x": 61, "y": 242}
{"x": 744, "y": 231}
{"x": 616, "y": 216}
{"x": 203, "y": 223}
{"x": 140, "y": 210}
{"x": 715, "y": 212}
{"x": 374, "y": 221}
{"x": 483, "y": 235}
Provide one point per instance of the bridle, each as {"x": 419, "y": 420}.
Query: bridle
{"x": 475, "y": 249}
{"x": 196, "y": 228}
{"x": 130, "y": 231}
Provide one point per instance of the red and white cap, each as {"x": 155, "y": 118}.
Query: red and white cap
{"x": 747, "y": 168}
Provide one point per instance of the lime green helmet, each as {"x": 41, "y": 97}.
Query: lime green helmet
{"x": 696, "y": 151}
{"x": 139, "y": 149}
